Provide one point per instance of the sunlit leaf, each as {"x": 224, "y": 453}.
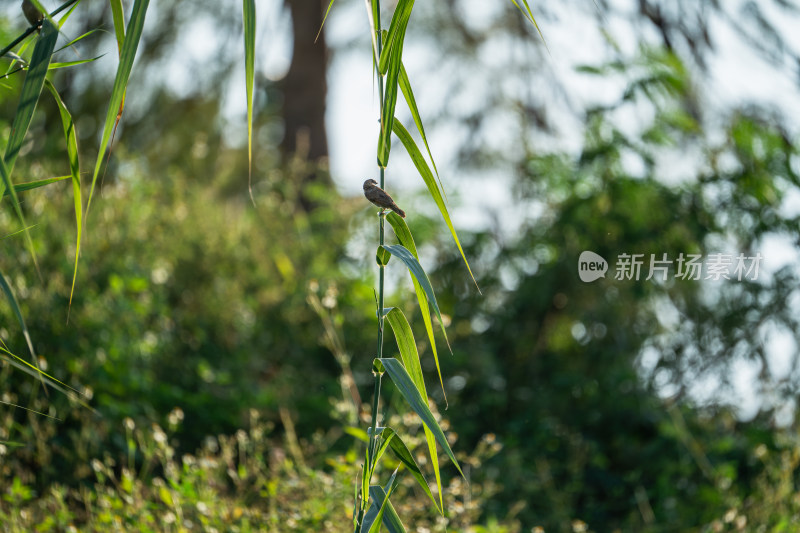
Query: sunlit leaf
{"x": 409, "y": 391}
{"x": 394, "y": 56}
{"x": 427, "y": 176}
{"x": 249, "y": 18}
{"x": 407, "y": 240}
{"x": 127, "y": 55}
{"x": 410, "y": 356}
{"x": 22, "y": 187}
{"x": 408, "y": 94}
{"x": 75, "y": 172}
{"x": 417, "y": 272}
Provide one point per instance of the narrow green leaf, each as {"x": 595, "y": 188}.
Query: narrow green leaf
{"x": 128, "y": 54}
{"x": 406, "y": 387}
{"x": 396, "y": 33}
{"x": 23, "y": 365}
{"x": 75, "y": 172}
{"x": 419, "y": 274}
{"x": 402, "y": 453}
{"x": 384, "y": 514}
{"x": 118, "y": 15}
{"x": 394, "y": 58}
{"x": 406, "y": 239}
{"x": 8, "y": 186}
{"x": 408, "y": 94}
{"x": 324, "y": 19}
{"x": 12, "y": 301}
{"x": 408, "y": 352}
{"x": 77, "y": 39}
{"x": 29, "y": 96}
{"x": 249, "y": 18}
{"x": 408, "y": 348}
{"x": 425, "y": 171}
{"x": 66, "y": 16}
{"x": 529, "y": 15}
{"x": 22, "y": 187}
{"x": 67, "y": 64}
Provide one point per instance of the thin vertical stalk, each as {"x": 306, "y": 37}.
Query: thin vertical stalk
{"x": 373, "y": 438}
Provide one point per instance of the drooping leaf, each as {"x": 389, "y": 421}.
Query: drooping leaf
{"x": 127, "y": 55}
{"x": 392, "y": 441}
{"x": 409, "y": 391}
{"x": 249, "y": 19}
{"x": 408, "y": 94}
{"x": 406, "y": 239}
{"x": 381, "y": 511}
{"x": 12, "y": 302}
{"x": 408, "y": 352}
{"x": 324, "y": 18}
{"x": 75, "y": 173}
{"x": 419, "y": 274}
{"x": 29, "y": 96}
{"x": 529, "y": 15}
{"x": 427, "y": 176}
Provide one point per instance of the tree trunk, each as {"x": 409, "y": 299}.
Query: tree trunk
{"x": 304, "y": 90}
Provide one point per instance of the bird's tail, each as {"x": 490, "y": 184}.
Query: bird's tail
{"x": 398, "y": 211}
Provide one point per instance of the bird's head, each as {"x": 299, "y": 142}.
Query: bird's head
{"x": 369, "y": 184}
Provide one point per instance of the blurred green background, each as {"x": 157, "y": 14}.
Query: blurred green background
{"x": 224, "y": 348}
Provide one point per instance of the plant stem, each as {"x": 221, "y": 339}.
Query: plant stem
{"x": 373, "y": 438}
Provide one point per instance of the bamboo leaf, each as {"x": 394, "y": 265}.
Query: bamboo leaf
{"x": 7, "y": 186}
{"x": 409, "y": 391}
{"x": 22, "y": 187}
{"x": 77, "y": 39}
{"x": 408, "y": 348}
{"x": 23, "y": 365}
{"x": 12, "y": 301}
{"x": 396, "y": 32}
{"x": 403, "y": 235}
{"x": 75, "y": 173}
{"x": 118, "y": 15}
{"x": 29, "y": 96}
{"x": 249, "y": 18}
{"x": 408, "y": 94}
{"x": 385, "y": 514}
{"x": 66, "y": 16}
{"x": 529, "y": 15}
{"x": 408, "y": 352}
{"x": 67, "y": 64}
{"x": 127, "y": 55}
{"x": 425, "y": 171}
{"x": 324, "y": 18}
{"x": 394, "y": 58}
{"x": 418, "y": 273}
{"x": 399, "y": 449}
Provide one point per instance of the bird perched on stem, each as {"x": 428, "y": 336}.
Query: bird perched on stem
{"x": 381, "y": 198}
{"x": 32, "y": 13}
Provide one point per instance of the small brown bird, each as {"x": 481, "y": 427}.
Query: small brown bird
{"x": 381, "y": 198}
{"x": 33, "y": 15}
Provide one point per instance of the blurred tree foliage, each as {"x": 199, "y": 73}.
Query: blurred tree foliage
{"x": 590, "y": 385}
